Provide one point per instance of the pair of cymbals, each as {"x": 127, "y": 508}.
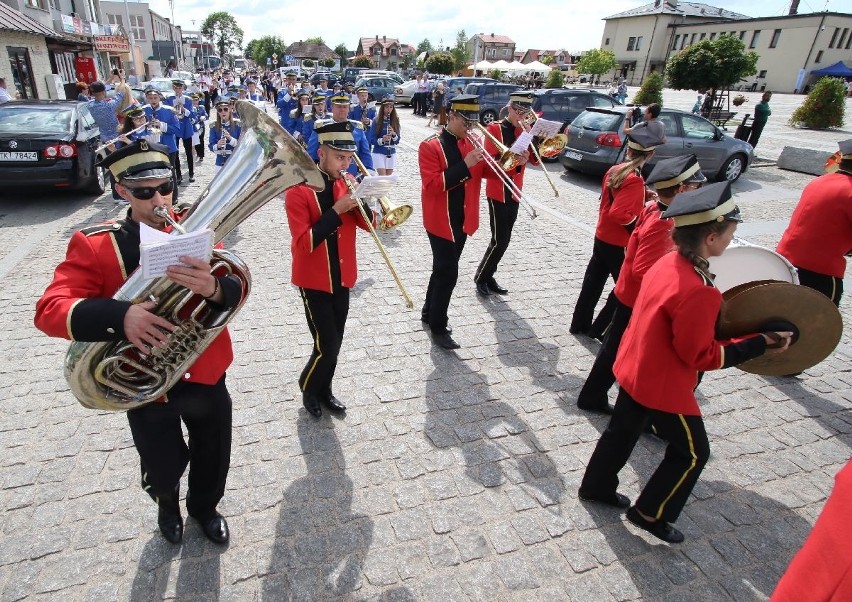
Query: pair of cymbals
{"x": 747, "y": 309}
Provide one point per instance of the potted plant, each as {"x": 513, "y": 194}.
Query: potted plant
{"x": 738, "y": 100}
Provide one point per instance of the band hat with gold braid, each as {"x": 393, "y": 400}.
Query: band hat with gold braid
{"x": 466, "y": 105}
{"x": 178, "y": 82}
{"x": 711, "y": 203}
{"x": 361, "y": 89}
{"x": 523, "y": 99}
{"x": 319, "y": 99}
{"x": 340, "y": 98}
{"x": 845, "y": 150}
{"x": 337, "y": 135}
{"x": 643, "y": 140}
{"x": 222, "y": 102}
{"x": 133, "y": 111}
{"x": 141, "y": 160}
{"x": 387, "y": 100}
{"x": 671, "y": 172}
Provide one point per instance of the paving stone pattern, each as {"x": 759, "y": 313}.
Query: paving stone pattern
{"x": 453, "y": 476}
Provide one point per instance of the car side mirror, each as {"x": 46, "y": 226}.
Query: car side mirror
{"x": 719, "y": 135}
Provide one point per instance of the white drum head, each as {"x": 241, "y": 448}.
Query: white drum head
{"x": 741, "y": 264}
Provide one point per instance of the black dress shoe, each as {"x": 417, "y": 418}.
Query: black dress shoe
{"x": 171, "y": 525}
{"x": 482, "y": 289}
{"x": 180, "y": 181}
{"x": 578, "y": 330}
{"x": 425, "y": 320}
{"x": 215, "y": 529}
{"x": 445, "y": 341}
{"x": 496, "y": 288}
{"x": 658, "y": 528}
{"x": 334, "y": 404}
{"x": 602, "y": 409}
{"x": 616, "y": 500}
{"x": 191, "y": 179}
{"x": 312, "y": 404}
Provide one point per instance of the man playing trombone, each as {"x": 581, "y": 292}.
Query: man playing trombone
{"x": 502, "y": 203}
{"x": 322, "y": 228}
{"x": 451, "y": 173}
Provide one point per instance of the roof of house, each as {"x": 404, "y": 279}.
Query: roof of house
{"x": 674, "y": 7}
{"x": 494, "y": 39}
{"x": 311, "y": 50}
{"x": 13, "y": 20}
{"x": 383, "y": 41}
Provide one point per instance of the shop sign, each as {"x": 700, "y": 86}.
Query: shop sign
{"x": 111, "y": 44}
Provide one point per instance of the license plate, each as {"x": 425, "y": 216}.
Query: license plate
{"x": 573, "y": 155}
{"x": 18, "y": 156}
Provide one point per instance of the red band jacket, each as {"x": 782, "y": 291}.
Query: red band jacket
{"x": 619, "y": 208}
{"x": 441, "y": 178}
{"x": 820, "y": 230}
{"x": 77, "y": 304}
{"x": 310, "y": 227}
{"x": 505, "y": 133}
{"x": 650, "y": 240}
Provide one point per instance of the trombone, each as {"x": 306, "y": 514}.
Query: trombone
{"x": 550, "y": 147}
{"x": 392, "y": 215}
{"x": 498, "y": 166}
{"x": 345, "y": 175}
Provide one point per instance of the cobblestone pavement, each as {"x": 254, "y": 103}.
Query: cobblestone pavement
{"x": 452, "y": 477}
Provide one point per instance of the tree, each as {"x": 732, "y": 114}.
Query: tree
{"x": 308, "y": 63}
{"x": 424, "y": 46}
{"x": 716, "y": 64}
{"x": 555, "y": 79}
{"x": 596, "y": 62}
{"x": 341, "y": 51}
{"x": 459, "y": 51}
{"x": 315, "y": 40}
{"x": 266, "y": 47}
{"x": 651, "y": 90}
{"x": 496, "y": 74}
{"x": 362, "y": 60}
{"x": 222, "y": 28}
{"x": 546, "y": 60}
{"x": 329, "y": 62}
{"x": 441, "y": 63}
{"x": 824, "y": 105}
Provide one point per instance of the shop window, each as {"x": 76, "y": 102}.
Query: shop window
{"x": 22, "y": 71}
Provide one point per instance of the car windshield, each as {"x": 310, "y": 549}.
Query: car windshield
{"x": 599, "y": 122}
{"x": 34, "y": 120}
{"x": 161, "y": 85}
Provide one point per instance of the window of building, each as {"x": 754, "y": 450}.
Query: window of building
{"x": 713, "y": 36}
{"x": 676, "y": 40}
{"x": 754, "y": 38}
{"x": 843, "y": 37}
{"x": 848, "y": 42}
{"x": 692, "y": 39}
{"x": 36, "y": 4}
{"x": 776, "y": 35}
{"x": 834, "y": 37}
{"x": 639, "y": 43}
{"x": 742, "y": 35}
{"x": 703, "y": 35}
{"x": 54, "y": 4}
{"x": 393, "y": 51}
{"x": 683, "y": 43}
{"x": 22, "y": 69}
{"x": 631, "y": 43}
{"x": 607, "y": 42}
{"x": 762, "y": 74}
{"x": 505, "y": 52}
{"x": 818, "y": 58}
{"x": 137, "y": 24}
{"x": 115, "y": 20}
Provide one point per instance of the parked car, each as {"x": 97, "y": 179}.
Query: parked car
{"x": 403, "y": 93}
{"x": 163, "y": 84}
{"x": 381, "y": 73}
{"x": 138, "y": 94}
{"x": 596, "y": 141}
{"x": 331, "y": 77}
{"x": 352, "y": 74}
{"x": 493, "y": 96}
{"x": 49, "y": 144}
{"x": 564, "y": 104}
{"x": 377, "y": 87}
{"x": 454, "y": 83}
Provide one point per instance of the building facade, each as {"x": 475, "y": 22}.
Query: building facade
{"x": 386, "y": 53}
{"x": 490, "y": 47}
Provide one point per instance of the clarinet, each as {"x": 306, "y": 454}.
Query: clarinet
{"x": 385, "y": 132}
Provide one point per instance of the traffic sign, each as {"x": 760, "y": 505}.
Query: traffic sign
{"x": 268, "y": 60}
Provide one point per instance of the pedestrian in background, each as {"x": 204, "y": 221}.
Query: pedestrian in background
{"x": 761, "y": 116}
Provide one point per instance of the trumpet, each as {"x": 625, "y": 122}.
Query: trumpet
{"x": 392, "y": 215}
{"x": 345, "y": 175}
{"x": 496, "y": 166}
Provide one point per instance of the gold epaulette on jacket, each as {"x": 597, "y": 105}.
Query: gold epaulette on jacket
{"x": 100, "y": 229}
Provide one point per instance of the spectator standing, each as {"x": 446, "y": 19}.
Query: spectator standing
{"x": 4, "y": 94}
{"x": 761, "y": 116}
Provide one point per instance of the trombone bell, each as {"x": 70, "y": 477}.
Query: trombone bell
{"x": 551, "y": 147}
{"x": 392, "y": 215}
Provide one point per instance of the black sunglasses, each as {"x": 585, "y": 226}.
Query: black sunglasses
{"x": 144, "y": 193}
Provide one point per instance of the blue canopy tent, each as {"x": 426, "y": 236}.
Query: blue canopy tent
{"x": 838, "y": 69}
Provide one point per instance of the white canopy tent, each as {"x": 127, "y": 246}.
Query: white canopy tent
{"x": 516, "y": 66}
{"x": 538, "y": 66}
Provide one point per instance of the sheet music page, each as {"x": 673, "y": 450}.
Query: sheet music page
{"x": 522, "y": 143}
{"x": 158, "y": 254}
{"x": 545, "y": 128}
{"x": 375, "y": 186}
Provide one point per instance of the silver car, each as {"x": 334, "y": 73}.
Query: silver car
{"x": 596, "y": 141}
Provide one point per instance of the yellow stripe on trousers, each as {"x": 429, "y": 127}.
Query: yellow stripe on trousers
{"x": 316, "y": 339}
{"x": 662, "y": 507}
{"x": 493, "y": 213}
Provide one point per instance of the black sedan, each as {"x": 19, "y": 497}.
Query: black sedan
{"x": 49, "y": 144}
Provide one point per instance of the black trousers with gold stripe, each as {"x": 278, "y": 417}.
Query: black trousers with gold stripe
{"x": 686, "y": 454}
{"x": 830, "y": 286}
{"x": 326, "y": 315}
{"x": 503, "y": 217}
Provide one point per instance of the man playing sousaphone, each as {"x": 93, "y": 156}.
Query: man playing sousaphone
{"x": 78, "y": 305}
{"x": 322, "y": 228}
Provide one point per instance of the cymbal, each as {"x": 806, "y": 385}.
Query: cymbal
{"x": 748, "y": 307}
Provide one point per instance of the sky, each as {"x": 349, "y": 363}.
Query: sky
{"x": 540, "y": 24}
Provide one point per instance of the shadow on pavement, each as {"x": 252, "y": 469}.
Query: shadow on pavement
{"x": 738, "y": 544}
{"x": 320, "y": 545}
{"x": 498, "y": 446}
{"x": 834, "y": 417}
{"x": 198, "y": 574}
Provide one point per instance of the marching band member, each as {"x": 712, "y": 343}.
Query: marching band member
{"x": 451, "y": 171}
{"x": 316, "y": 115}
{"x": 162, "y": 117}
{"x": 322, "y": 226}
{"x": 820, "y": 231}
{"x": 324, "y": 90}
{"x": 134, "y": 118}
{"x": 200, "y": 126}
{"x": 650, "y": 240}
{"x": 224, "y": 134}
{"x": 383, "y": 137}
{"x": 670, "y": 339}
{"x": 502, "y": 205}
{"x": 185, "y": 113}
{"x": 252, "y": 93}
{"x": 622, "y": 199}
{"x": 78, "y": 305}
{"x": 297, "y": 115}
{"x": 362, "y": 111}
{"x": 339, "y": 114}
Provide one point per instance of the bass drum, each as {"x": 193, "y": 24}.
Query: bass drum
{"x": 742, "y": 263}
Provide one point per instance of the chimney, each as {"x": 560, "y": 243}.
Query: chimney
{"x": 377, "y": 38}
{"x": 384, "y": 38}
{"x": 794, "y": 7}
